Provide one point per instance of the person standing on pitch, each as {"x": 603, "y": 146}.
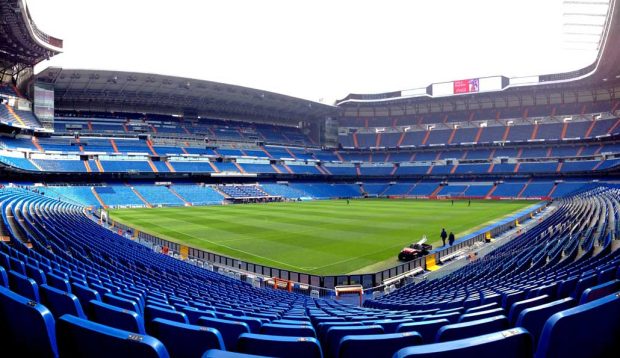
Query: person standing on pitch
{"x": 443, "y": 236}
{"x": 451, "y": 238}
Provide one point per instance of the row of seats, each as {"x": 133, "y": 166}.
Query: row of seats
{"x": 495, "y": 133}
{"x": 212, "y": 128}
{"x": 179, "y": 194}
{"x": 554, "y": 110}
{"x": 178, "y": 148}
{"x": 143, "y": 165}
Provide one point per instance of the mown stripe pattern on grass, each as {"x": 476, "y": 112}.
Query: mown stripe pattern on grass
{"x": 319, "y": 237}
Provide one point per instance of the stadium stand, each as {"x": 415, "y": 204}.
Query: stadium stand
{"x": 73, "y": 285}
{"x": 107, "y": 264}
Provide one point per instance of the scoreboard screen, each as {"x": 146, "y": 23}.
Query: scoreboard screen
{"x": 44, "y": 104}
{"x": 466, "y": 86}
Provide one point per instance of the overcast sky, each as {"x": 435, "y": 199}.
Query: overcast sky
{"x": 317, "y": 49}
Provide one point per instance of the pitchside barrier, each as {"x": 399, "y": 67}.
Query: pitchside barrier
{"x": 306, "y": 283}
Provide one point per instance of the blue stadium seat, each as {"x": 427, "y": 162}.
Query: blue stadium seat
{"x": 27, "y": 327}
{"x": 453, "y": 317}
{"x": 534, "y": 318}
{"x": 36, "y": 274}
{"x": 298, "y": 317}
{"x": 567, "y": 287}
{"x": 390, "y": 325}
{"x": 100, "y": 289}
{"x": 490, "y": 298}
{"x": 121, "y": 302}
{"x": 512, "y": 343}
{"x": 288, "y": 330}
{"x": 427, "y": 329}
{"x": 290, "y": 322}
{"x": 18, "y": 266}
{"x": 254, "y": 324}
{"x": 229, "y": 329}
{"x": 488, "y": 306}
{"x": 60, "y": 302}
{"x": 4, "y": 279}
{"x": 469, "y": 329}
{"x": 185, "y": 340}
{"x": 331, "y": 342}
{"x": 24, "y": 286}
{"x": 132, "y": 297}
{"x": 549, "y": 290}
{"x": 159, "y": 304}
{"x": 217, "y": 353}
{"x": 316, "y": 320}
{"x": 78, "y": 337}
{"x": 116, "y": 317}
{"x": 323, "y": 327}
{"x": 480, "y": 314}
{"x": 607, "y": 274}
{"x": 268, "y": 316}
{"x": 85, "y": 295}
{"x": 583, "y": 284}
{"x": 194, "y": 313}
{"x": 583, "y": 331}
{"x": 519, "y": 306}
{"x": 5, "y": 261}
{"x": 277, "y": 346}
{"x": 455, "y": 309}
{"x": 509, "y": 298}
{"x": 151, "y": 312}
{"x": 599, "y": 291}
{"x": 58, "y": 282}
{"x": 377, "y": 345}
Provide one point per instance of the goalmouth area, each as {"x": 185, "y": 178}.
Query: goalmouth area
{"x": 326, "y": 237}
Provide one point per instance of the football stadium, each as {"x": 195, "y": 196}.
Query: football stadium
{"x": 155, "y": 215}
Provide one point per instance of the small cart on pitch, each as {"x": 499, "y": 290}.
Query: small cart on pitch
{"x": 414, "y": 251}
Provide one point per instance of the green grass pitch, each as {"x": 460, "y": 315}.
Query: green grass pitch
{"x": 319, "y": 237}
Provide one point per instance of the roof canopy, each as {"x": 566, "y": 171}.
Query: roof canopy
{"x": 117, "y": 91}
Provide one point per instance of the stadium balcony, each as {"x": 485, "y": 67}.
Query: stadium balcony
{"x": 488, "y": 131}
{"x": 56, "y": 160}
{"x": 502, "y": 114}
{"x": 171, "y": 127}
{"x": 520, "y": 298}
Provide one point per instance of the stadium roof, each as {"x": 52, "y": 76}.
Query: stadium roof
{"x": 21, "y": 41}
{"x": 117, "y": 91}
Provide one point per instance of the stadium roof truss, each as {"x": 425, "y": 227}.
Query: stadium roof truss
{"x": 22, "y": 43}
